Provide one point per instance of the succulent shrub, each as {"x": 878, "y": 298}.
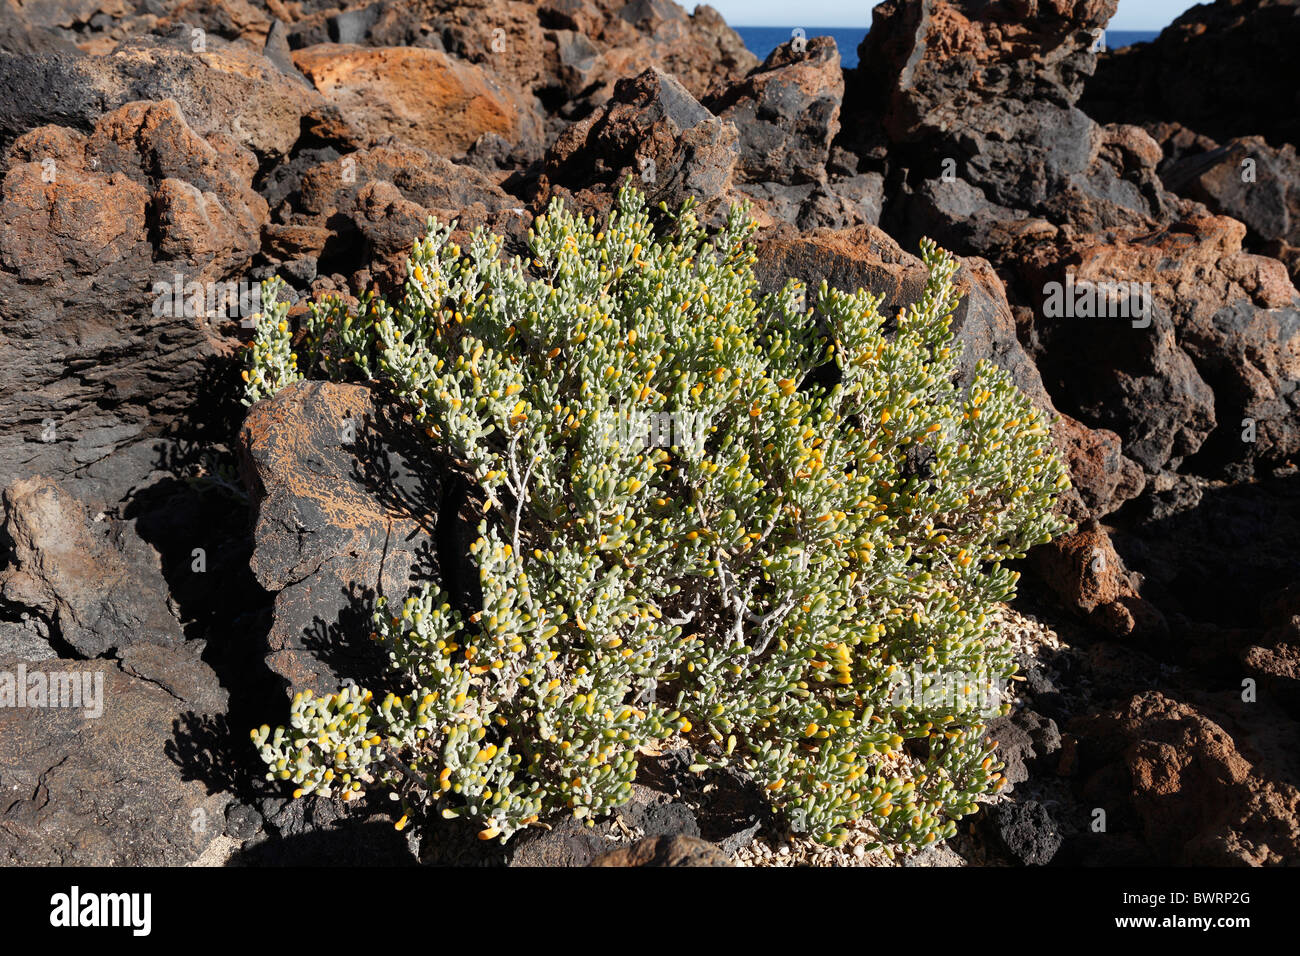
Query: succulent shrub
{"x": 272, "y": 362}
{"x": 713, "y": 518}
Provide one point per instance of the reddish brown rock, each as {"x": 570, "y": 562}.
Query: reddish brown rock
{"x": 972, "y": 107}
{"x": 431, "y": 181}
{"x": 225, "y": 88}
{"x": 1250, "y": 181}
{"x": 994, "y": 47}
{"x": 367, "y": 207}
{"x": 388, "y": 220}
{"x": 1277, "y": 669}
{"x": 204, "y": 207}
{"x": 95, "y": 230}
{"x": 1275, "y": 661}
{"x": 1215, "y": 370}
{"x": 98, "y": 26}
{"x": 586, "y": 46}
{"x": 1101, "y": 477}
{"x": 83, "y": 224}
{"x": 293, "y": 240}
{"x": 509, "y": 38}
{"x": 578, "y": 48}
{"x": 699, "y": 48}
{"x": 1084, "y": 570}
{"x": 979, "y": 100}
{"x": 433, "y": 101}
{"x": 1196, "y": 795}
{"x": 231, "y": 19}
{"x": 1085, "y": 573}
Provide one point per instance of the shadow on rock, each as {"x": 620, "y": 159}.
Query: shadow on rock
{"x": 373, "y": 843}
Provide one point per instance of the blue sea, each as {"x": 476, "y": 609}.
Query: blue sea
{"x": 763, "y": 40}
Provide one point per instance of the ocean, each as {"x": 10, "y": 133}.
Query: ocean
{"x": 763, "y": 40}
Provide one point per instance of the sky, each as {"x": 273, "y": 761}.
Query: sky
{"x": 1132, "y": 15}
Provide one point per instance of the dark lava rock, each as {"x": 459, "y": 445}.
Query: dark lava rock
{"x": 653, "y": 130}
{"x": 1224, "y": 69}
{"x": 346, "y": 510}
{"x": 98, "y": 588}
{"x": 101, "y": 790}
{"x": 787, "y": 113}
{"x": 1025, "y": 831}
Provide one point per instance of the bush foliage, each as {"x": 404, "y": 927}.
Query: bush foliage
{"x": 713, "y": 518}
